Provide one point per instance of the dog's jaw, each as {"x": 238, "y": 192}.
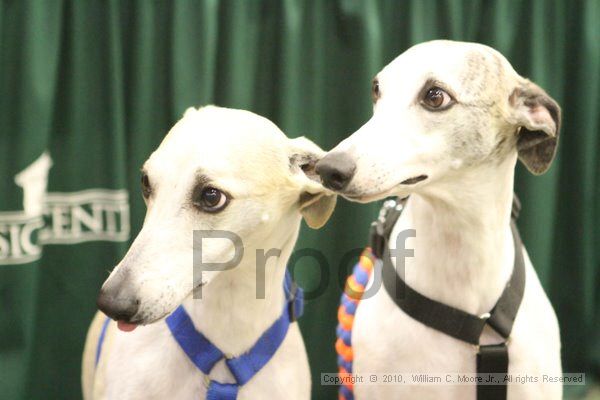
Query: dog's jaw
{"x": 401, "y": 190}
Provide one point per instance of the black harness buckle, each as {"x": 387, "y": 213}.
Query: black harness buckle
{"x": 383, "y": 225}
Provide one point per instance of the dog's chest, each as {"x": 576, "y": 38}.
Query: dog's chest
{"x": 386, "y": 340}
{"x": 147, "y": 361}
{"x": 148, "y": 364}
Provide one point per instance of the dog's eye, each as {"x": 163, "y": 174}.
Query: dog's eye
{"x": 375, "y": 93}
{"x": 146, "y": 188}
{"x": 436, "y": 99}
{"x": 211, "y": 199}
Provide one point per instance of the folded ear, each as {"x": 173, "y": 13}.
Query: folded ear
{"x": 538, "y": 118}
{"x": 315, "y": 202}
{"x": 317, "y": 210}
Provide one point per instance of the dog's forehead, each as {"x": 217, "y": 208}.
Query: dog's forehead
{"x": 470, "y": 69}
{"x": 219, "y": 140}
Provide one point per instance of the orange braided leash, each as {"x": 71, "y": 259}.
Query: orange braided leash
{"x": 353, "y": 292}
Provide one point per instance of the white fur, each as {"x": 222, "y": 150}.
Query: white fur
{"x": 463, "y": 249}
{"x": 251, "y": 159}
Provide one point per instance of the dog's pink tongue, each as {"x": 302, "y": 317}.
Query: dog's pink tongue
{"x": 125, "y": 327}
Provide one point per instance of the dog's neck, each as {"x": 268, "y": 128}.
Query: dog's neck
{"x": 234, "y": 311}
{"x": 463, "y": 249}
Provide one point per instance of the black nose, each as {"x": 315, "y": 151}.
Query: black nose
{"x": 114, "y": 301}
{"x": 336, "y": 170}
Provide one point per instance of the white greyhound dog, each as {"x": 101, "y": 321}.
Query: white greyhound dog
{"x": 217, "y": 169}
{"x": 450, "y": 120}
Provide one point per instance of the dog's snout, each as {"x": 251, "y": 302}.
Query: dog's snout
{"x": 336, "y": 170}
{"x": 115, "y": 301}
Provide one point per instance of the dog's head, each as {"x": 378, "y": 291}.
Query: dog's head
{"x": 440, "y": 108}
{"x": 217, "y": 169}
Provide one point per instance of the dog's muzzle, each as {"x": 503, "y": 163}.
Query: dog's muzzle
{"x": 115, "y": 301}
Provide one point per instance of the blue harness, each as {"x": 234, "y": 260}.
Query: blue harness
{"x": 205, "y": 355}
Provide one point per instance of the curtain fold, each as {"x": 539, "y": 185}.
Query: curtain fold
{"x": 96, "y": 85}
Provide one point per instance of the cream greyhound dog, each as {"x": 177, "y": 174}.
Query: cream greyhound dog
{"x": 217, "y": 169}
{"x": 450, "y": 120}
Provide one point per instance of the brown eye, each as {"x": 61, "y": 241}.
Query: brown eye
{"x": 211, "y": 199}
{"x": 146, "y": 188}
{"x": 375, "y": 93}
{"x": 436, "y": 99}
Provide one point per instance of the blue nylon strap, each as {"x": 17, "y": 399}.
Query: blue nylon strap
{"x": 248, "y": 364}
{"x": 288, "y": 283}
{"x": 101, "y": 340}
{"x": 195, "y": 345}
{"x": 294, "y": 296}
{"x": 298, "y": 301}
{"x": 205, "y": 355}
{"x": 222, "y": 391}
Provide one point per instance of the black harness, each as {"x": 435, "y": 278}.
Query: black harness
{"x": 491, "y": 359}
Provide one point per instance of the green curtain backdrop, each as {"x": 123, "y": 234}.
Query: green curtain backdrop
{"x": 95, "y": 85}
